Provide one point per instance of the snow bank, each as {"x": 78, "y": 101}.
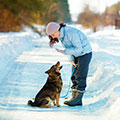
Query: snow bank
{"x": 24, "y": 57}
{"x": 11, "y": 46}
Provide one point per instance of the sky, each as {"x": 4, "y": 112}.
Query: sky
{"x": 76, "y": 6}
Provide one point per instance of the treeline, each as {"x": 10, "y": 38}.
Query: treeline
{"x": 16, "y": 13}
{"x": 91, "y": 19}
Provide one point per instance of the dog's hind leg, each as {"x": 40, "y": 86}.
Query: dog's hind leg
{"x": 45, "y": 103}
{"x": 45, "y": 106}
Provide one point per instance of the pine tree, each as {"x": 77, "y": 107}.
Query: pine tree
{"x": 15, "y": 13}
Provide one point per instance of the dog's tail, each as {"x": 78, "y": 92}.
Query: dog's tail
{"x": 30, "y": 103}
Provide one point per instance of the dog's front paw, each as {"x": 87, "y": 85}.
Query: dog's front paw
{"x": 58, "y": 105}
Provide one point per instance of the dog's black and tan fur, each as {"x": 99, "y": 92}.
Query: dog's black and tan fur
{"x": 51, "y": 90}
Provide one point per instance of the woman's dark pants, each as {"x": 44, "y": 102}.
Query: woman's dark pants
{"x": 80, "y": 74}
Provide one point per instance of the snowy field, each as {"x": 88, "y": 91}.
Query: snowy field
{"x": 24, "y": 58}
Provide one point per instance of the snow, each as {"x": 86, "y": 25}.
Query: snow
{"x": 24, "y": 58}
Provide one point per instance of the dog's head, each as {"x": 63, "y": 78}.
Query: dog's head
{"x": 55, "y": 69}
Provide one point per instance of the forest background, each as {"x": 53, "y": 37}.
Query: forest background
{"x": 14, "y": 14}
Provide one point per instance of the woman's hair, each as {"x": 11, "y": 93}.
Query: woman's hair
{"x": 62, "y": 25}
{"x": 54, "y": 40}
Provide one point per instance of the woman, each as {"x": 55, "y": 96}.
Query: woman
{"x": 77, "y": 46}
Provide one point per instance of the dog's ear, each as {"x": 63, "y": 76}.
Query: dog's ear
{"x": 47, "y": 72}
{"x": 60, "y": 68}
{"x": 57, "y": 62}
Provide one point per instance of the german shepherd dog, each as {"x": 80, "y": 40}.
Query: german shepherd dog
{"x": 50, "y": 92}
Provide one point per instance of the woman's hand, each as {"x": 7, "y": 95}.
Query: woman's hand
{"x": 51, "y": 44}
{"x": 72, "y": 63}
{"x": 52, "y": 41}
{"x": 61, "y": 51}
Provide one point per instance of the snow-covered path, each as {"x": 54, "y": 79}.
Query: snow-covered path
{"x": 23, "y": 74}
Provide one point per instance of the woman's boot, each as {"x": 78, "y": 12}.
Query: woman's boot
{"x": 76, "y": 98}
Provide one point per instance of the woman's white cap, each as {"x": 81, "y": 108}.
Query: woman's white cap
{"x": 52, "y": 27}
